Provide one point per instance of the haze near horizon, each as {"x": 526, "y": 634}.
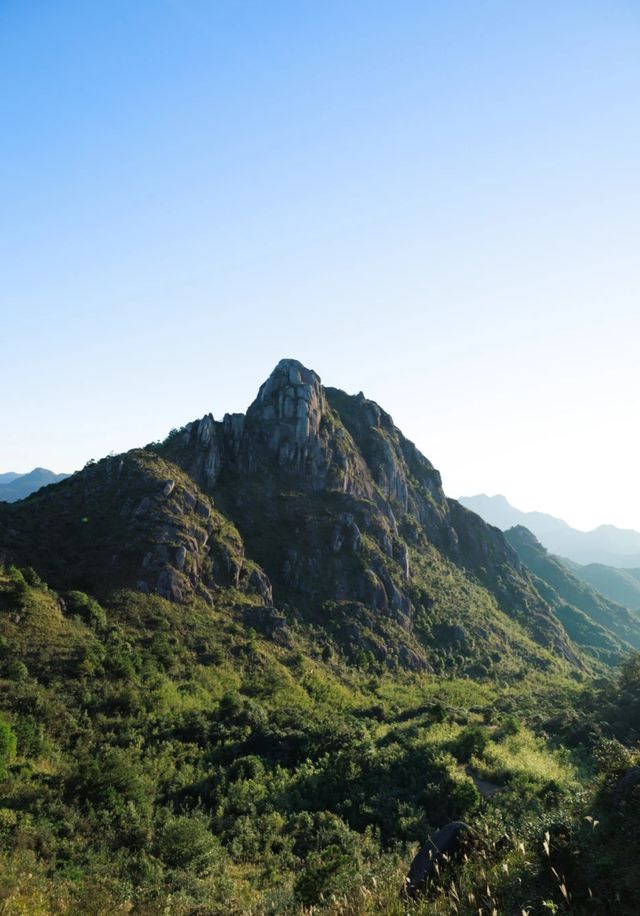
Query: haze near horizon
{"x": 434, "y": 203}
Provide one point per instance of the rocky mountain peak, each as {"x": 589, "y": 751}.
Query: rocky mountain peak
{"x": 287, "y": 415}
{"x": 291, "y": 398}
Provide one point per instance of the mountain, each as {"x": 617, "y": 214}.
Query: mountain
{"x": 606, "y": 544}
{"x": 313, "y": 497}
{"x": 619, "y": 585}
{"x": 251, "y": 668}
{"x": 602, "y": 627}
{"x": 18, "y": 486}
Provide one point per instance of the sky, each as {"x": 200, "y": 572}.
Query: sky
{"x": 437, "y": 203}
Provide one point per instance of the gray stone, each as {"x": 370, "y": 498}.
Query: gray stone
{"x": 440, "y": 848}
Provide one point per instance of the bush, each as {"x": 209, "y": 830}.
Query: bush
{"x": 612, "y": 757}
{"x": 186, "y": 842}
{"x": 86, "y": 608}
{"x": 471, "y": 742}
{"x": 7, "y": 747}
{"x": 509, "y": 726}
{"x": 18, "y": 590}
{"x": 31, "y": 577}
{"x": 630, "y": 671}
{"x": 110, "y": 779}
{"x": 17, "y": 671}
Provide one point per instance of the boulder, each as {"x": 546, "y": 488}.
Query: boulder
{"x": 439, "y": 849}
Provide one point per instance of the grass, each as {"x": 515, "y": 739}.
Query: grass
{"x": 525, "y": 754}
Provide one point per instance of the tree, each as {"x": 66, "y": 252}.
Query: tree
{"x": 7, "y": 747}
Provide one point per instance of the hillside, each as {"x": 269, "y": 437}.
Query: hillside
{"x": 608, "y": 545}
{"x": 596, "y": 623}
{"x": 620, "y": 585}
{"x": 249, "y": 669}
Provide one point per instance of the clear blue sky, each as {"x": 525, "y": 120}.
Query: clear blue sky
{"x": 435, "y": 202}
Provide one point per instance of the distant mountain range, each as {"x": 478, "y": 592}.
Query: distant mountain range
{"x": 589, "y": 617}
{"x": 619, "y": 585}
{"x": 608, "y": 545}
{"x": 18, "y": 486}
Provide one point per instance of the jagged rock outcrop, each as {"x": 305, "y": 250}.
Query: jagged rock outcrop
{"x": 288, "y": 417}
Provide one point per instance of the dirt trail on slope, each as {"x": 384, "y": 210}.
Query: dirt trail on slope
{"x": 485, "y": 788}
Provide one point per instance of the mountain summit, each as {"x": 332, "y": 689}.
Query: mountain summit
{"x": 317, "y": 504}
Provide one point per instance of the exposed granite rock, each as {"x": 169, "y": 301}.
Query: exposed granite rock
{"x": 200, "y": 447}
{"x": 345, "y": 534}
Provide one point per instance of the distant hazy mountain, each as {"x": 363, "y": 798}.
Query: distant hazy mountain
{"x": 598, "y": 624}
{"x": 606, "y": 544}
{"x": 18, "y": 486}
{"x": 621, "y": 585}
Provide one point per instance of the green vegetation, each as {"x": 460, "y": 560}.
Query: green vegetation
{"x": 619, "y": 585}
{"x": 251, "y": 669}
{"x": 156, "y": 755}
{"x": 606, "y": 630}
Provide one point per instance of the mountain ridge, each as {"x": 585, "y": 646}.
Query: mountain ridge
{"x": 605, "y": 544}
{"x": 616, "y": 583}
{"x": 14, "y": 487}
{"x": 588, "y": 616}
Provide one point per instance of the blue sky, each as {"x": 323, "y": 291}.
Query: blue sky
{"x": 435, "y": 202}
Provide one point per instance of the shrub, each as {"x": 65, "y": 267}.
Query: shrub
{"x": 86, "y": 608}
{"x": 509, "y": 726}
{"x": 110, "y": 779}
{"x": 612, "y": 757}
{"x": 630, "y": 671}
{"x": 7, "y": 747}
{"x": 31, "y": 577}
{"x": 18, "y": 590}
{"x": 186, "y": 842}
{"x": 17, "y": 671}
{"x": 471, "y": 742}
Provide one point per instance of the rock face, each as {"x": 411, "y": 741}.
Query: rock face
{"x": 287, "y": 416}
{"x": 317, "y": 495}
